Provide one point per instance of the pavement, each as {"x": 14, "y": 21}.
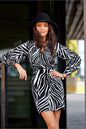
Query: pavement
{"x": 76, "y": 111}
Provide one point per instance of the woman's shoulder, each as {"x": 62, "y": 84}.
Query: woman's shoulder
{"x": 59, "y": 45}
{"x": 29, "y": 43}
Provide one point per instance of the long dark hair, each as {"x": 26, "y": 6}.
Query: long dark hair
{"x": 51, "y": 36}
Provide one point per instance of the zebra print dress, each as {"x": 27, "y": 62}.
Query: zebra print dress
{"x": 47, "y": 91}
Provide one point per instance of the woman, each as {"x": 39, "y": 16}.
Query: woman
{"x": 47, "y": 87}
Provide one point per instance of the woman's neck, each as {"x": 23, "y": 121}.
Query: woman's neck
{"x": 44, "y": 39}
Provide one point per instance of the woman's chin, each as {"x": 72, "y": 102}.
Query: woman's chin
{"x": 43, "y": 35}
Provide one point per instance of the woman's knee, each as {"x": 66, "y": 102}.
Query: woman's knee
{"x": 52, "y": 126}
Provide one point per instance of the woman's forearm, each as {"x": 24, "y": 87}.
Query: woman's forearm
{"x": 16, "y": 64}
{"x": 22, "y": 72}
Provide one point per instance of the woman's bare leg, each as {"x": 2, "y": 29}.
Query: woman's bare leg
{"x": 50, "y": 119}
{"x": 57, "y": 116}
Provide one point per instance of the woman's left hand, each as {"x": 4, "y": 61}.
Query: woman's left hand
{"x": 54, "y": 73}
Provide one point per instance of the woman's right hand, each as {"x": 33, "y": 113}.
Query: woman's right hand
{"x": 22, "y": 72}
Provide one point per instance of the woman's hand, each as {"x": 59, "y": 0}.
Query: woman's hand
{"x": 22, "y": 72}
{"x": 54, "y": 73}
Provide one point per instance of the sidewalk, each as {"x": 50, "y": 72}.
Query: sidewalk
{"x": 75, "y": 111}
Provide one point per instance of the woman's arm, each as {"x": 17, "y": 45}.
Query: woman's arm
{"x": 73, "y": 61}
{"x": 22, "y": 72}
{"x": 16, "y": 54}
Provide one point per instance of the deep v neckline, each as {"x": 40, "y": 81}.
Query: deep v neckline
{"x": 45, "y": 47}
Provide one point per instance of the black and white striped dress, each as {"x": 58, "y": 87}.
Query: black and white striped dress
{"x": 47, "y": 91}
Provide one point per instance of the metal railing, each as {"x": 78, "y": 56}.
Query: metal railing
{"x": 4, "y": 97}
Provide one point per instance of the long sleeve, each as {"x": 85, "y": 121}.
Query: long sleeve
{"x": 16, "y": 54}
{"x": 73, "y": 60}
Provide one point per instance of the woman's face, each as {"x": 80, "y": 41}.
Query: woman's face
{"x": 42, "y": 28}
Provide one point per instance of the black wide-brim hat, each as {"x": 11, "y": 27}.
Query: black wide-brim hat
{"x": 43, "y": 17}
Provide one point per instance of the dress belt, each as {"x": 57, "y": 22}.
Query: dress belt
{"x": 42, "y": 67}
{"x": 39, "y": 69}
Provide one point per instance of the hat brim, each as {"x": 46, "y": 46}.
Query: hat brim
{"x": 53, "y": 24}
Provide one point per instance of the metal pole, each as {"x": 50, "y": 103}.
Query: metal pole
{"x": 4, "y": 119}
{"x": 84, "y": 5}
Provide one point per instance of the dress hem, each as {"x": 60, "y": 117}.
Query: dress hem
{"x": 60, "y": 108}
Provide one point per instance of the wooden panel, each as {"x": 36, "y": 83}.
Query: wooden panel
{"x": 74, "y": 19}
{"x": 81, "y": 23}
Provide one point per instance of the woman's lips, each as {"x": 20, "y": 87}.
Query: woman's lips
{"x": 42, "y": 32}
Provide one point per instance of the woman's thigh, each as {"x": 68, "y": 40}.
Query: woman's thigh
{"x": 57, "y": 115}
